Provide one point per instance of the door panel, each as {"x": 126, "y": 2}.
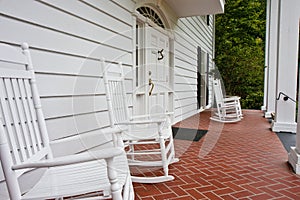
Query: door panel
{"x": 155, "y": 91}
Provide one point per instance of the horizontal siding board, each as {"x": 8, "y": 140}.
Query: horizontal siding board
{"x": 185, "y": 102}
{"x": 185, "y": 94}
{"x": 66, "y": 106}
{"x": 128, "y": 5}
{"x": 184, "y": 40}
{"x": 75, "y": 26}
{"x": 100, "y": 17}
{"x": 185, "y": 87}
{"x": 184, "y": 110}
{"x": 183, "y": 71}
{"x": 60, "y": 85}
{"x": 80, "y": 143}
{"x": 64, "y": 64}
{"x": 40, "y": 37}
{"x": 114, "y": 9}
{"x": 185, "y": 80}
{"x": 194, "y": 34}
{"x": 73, "y": 125}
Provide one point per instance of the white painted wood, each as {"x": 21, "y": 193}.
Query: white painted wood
{"x": 272, "y": 56}
{"x": 57, "y": 41}
{"x": 185, "y": 110}
{"x": 113, "y": 9}
{"x": 73, "y": 125}
{"x": 95, "y": 29}
{"x": 185, "y": 80}
{"x": 141, "y": 130}
{"x": 65, "y": 106}
{"x": 60, "y": 85}
{"x": 127, "y": 5}
{"x": 185, "y": 102}
{"x": 64, "y": 64}
{"x": 77, "y": 26}
{"x": 71, "y": 175}
{"x": 287, "y": 66}
{"x": 228, "y": 109}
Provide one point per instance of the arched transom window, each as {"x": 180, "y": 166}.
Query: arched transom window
{"x": 151, "y": 14}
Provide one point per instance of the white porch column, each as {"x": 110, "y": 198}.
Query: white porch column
{"x": 287, "y": 65}
{"x": 266, "y": 75}
{"x": 272, "y": 47}
{"x": 294, "y": 155}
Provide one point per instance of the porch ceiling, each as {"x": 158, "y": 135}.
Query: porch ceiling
{"x": 188, "y": 8}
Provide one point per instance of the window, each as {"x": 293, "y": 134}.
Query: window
{"x": 151, "y": 14}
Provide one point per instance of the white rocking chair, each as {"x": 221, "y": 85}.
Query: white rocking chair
{"x": 25, "y": 147}
{"x": 146, "y": 137}
{"x": 228, "y": 108}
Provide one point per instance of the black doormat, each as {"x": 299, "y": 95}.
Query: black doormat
{"x": 287, "y": 139}
{"x": 188, "y": 134}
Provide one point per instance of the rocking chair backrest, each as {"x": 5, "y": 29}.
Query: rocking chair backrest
{"x": 218, "y": 92}
{"x": 116, "y": 93}
{"x": 22, "y": 127}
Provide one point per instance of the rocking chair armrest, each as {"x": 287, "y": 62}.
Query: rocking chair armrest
{"x": 148, "y": 121}
{"x": 73, "y": 159}
{"x": 167, "y": 114}
{"x": 232, "y": 98}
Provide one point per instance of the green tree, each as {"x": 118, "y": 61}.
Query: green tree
{"x": 240, "y": 36}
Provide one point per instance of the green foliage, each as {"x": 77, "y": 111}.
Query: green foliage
{"x": 240, "y": 35}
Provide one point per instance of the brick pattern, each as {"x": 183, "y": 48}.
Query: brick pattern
{"x": 244, "y": 160}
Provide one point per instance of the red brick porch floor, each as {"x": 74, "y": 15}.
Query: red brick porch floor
{"x": 244, "y": 160}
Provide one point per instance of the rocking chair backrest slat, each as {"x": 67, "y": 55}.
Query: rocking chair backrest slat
{"x": 20, "y": 112}
{"x": 116, "y": 94}
{"x": 218, "y": 92}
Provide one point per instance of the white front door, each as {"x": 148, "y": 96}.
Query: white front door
{"x": 157, "y": 93}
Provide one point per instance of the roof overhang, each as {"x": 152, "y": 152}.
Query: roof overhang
{"x": 189, "y": 8}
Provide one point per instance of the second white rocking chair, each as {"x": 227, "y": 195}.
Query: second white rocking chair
{"x": 149, "y": 140}
{"x": 228, "y": 108}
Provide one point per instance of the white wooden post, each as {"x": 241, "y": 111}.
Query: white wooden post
{"x": 267, "y": 37}
{"x": 294, "y": 155}
{"x": 287, "y": 65}
{"x": 272, "y": 57}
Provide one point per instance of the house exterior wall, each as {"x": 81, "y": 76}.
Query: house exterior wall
{"x": 189, "y": 34}
{"x": 67, "y": 39}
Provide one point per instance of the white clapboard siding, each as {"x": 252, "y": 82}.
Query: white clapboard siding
{"x": 73, "y": 125}
{"x": 61, "y": 85}
{"x": 185, "y": 87}
{"x": 185, "y": 94}
{"x": 183, "y": 45}
{"x": 80, "y": 143}
{"x": 75, "y": 26}
{"x": 185, "y": 111}
{"x": 184, "y": 71}
{"x": 65, "y": 64}
{"x": 190, "y": 33}
{"x": 40, "y": 37}
{"x": 127, "y": 5}
{"x": 185, "y": 102}
{"x": 98, "y": 12}
{"x": 54, "y": 107}
{"x": 184, "y": 79}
